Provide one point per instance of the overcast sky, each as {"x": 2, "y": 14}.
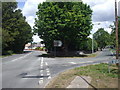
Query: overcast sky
{"x": 103, "y": 13}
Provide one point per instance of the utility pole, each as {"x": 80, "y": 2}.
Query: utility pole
{"x": 116, "y": 25}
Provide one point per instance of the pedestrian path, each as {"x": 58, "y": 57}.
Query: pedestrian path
{"x": 80, "y": 82}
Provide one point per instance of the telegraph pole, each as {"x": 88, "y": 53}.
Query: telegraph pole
{"x": 116, "y": 25}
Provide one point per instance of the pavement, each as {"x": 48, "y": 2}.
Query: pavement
{"x": 80, "y": 82}
{"x": 30, "y": 70}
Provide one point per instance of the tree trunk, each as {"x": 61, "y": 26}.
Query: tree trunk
{"x": 65, "y": 47}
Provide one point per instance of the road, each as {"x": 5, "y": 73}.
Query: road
{"x": 30, "y": 70}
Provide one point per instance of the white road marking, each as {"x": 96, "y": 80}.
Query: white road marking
{"x": 21, "y": 57}
{"x": 40, "y": 82}
{"x": 41, "y": 65}
{"x": 41, "y": 71}
{"x": 49, "y": 77}
{"x": 82, "y": 62}
{"x": 41, "y": 78}
{"x": 48, "y": 71}
{"x": 46, "y": 63}
{"x": 72, "y": 62}
{"x": 42, "y": 59}
{"x": 48, "y": 74}
{"x": 41, "y": 74}
{"x": 89, "y": 61}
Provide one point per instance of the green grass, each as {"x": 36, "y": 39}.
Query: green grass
{"x": 101, "y": 78}
{"x": 100, "y": 70}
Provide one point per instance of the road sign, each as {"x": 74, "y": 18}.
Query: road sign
{"x": 57, "y": 43}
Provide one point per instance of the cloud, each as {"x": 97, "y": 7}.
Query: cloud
{"x": 29, "y": 10}
{"x": 36, "y": 38}
{"x": 93, "y": 2}
{"x": 119, "y": 8}
{"x": 31, "y": 20}
{"x": 104, "y": 11}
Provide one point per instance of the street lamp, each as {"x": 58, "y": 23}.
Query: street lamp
{"x": 93, "y": 39}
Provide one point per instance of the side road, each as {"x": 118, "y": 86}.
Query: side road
{"x": 31, "y": 70}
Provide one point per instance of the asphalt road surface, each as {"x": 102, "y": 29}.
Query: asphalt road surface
{"x": 30, "y": 70}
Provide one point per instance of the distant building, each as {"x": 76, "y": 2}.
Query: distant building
{"x": 33, "y": 45}
{"x": 28, "y": 46}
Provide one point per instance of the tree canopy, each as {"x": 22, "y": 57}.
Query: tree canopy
{"x": 113, "y": 38}
{"x": 69, "y": 22}
{"x": 102, "y": 37}
{"x": 16, "y": 32}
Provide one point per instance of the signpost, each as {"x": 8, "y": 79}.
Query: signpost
{"x": 57, "y": 43}
{"x": 112, "y": 62}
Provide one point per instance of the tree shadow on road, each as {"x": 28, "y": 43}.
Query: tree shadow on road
{"x": 62, "y": 56}
{"x": 25, "y": 75}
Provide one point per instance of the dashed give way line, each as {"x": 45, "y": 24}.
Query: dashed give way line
{"x": 41, "y": 80}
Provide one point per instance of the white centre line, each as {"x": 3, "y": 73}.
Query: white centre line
{"x": 46, "y": 63}
{"x": 41, "y": 74}
{"x": 48, "y": 71}
{"x": 41, "y": 71}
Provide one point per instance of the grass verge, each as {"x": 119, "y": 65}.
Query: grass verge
{"x": 101, "y": 78}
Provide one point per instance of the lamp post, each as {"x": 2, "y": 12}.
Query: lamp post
{"x": 116, "y": 31}
{"x": 93, "y": 39}
{"x": 92, "y": 44}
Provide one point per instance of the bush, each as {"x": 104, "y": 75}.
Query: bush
{"x": 40, "y": 48}
{"x": 9, "y": 52}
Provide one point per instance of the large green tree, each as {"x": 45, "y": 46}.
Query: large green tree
{"x": 69, "y": 22}
{"x": 16, "y": 32}
{"x": 87, "y": 45}
{"x": 102, "y": 37}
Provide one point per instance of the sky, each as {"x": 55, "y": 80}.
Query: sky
{"x": 103, "y": 13}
